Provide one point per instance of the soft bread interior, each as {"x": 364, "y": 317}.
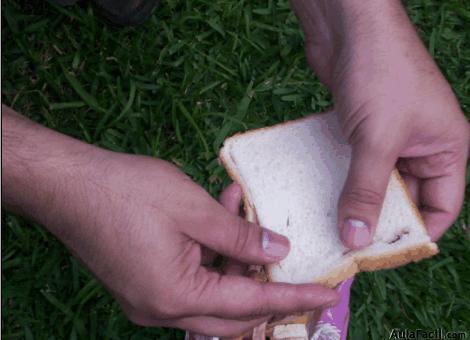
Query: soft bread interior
{"x": 292, "y": 175}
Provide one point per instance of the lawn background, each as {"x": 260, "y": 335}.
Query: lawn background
{"x": 174, "y": 88}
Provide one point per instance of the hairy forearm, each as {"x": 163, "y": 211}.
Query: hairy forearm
{"x": 341, "y": 16}
{"x": 333, "y": 28}
{"x": 63, "y": 184}
{"x": 40, "y": 169}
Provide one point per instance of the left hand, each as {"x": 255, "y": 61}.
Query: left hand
{"x": 144, "y": 229}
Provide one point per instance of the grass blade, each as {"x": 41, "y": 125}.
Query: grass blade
{"x": 78, "y": 88}
{"x": 191, "y": 121}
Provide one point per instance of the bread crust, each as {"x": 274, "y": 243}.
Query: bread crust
{"x": 397, "y": 258}
{"x": 338, "y": 274}
{"x": 391, "y": 259}
{"x": 289, "y": 122}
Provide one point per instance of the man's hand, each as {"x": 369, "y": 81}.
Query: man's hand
{"x": 395, "y": 107}
{"x": 148, "y": 232}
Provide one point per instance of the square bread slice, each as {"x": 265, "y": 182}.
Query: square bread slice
{"x": 292, "y": 175}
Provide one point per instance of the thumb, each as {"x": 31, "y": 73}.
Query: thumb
{"x": 247, "y": 242}
{"x": 236, "y": 238}
{"x": 363, "y": 193}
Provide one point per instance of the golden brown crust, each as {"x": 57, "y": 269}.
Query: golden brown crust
{"x": 289, "y": 122}
{"x": 397, "y": 258}
{"x": 387, "y": 260}
{"x": 338, "y": 274}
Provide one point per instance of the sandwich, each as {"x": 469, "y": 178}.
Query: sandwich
{"x": 291, "y": 175}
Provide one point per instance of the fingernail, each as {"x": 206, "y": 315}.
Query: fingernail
{"x": 274, "y": 245}
{"x": 356, "y": 233}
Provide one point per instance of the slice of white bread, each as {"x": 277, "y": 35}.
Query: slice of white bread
{"x": 292, "y": 175}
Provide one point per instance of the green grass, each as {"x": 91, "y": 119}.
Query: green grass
{"x": 195, "y": 73}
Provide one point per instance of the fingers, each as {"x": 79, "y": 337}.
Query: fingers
{"x": 239, "y": 239}
{"x": 441, "y": 199}
{"x": 233, "y": 267}
{"x": 441, "y": 188}
{"x": 230, "y": 198}
{"x": 238, "y": 297}
{"x": 247, "y": 242}
{"x": 362, "y": 197}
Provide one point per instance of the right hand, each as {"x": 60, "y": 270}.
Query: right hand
{"x": 144, "y": 228}
{"x": 395, "y": 108}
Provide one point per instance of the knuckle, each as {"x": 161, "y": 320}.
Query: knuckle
{"x": 363, "y": 132}
{"x": 379, "y": 143}
{"x": 442, "y": 160}
{"x": 242, "y": 237}
{"x": 351, "y": 124}
{"x": 362, "y": 196}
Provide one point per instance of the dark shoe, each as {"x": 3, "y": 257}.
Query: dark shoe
{"x": 126, "y": 12}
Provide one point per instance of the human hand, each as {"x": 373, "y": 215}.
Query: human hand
{"x": 230, "y": 198}
{"x": 168, "y": 221}
{"x": 147, "y": 232}
{"x": 153, "y": 226}
{"x": 395, "y": 108}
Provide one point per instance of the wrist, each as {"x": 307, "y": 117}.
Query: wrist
{"x": 339, "y": 19}
{"x": 41, "y": 168}
{"x": 333, "y": 28}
